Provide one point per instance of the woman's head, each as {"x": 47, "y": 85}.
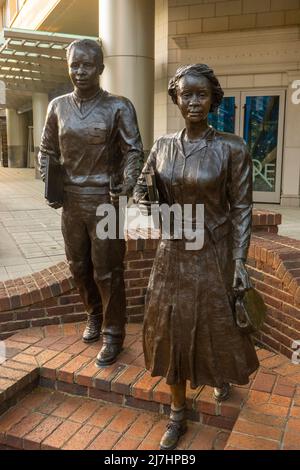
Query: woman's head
{"x": 197, "y": 71}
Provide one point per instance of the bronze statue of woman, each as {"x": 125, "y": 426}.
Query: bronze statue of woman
{"x": 189, "y": 332}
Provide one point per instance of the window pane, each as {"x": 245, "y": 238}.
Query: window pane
{"x": 261, "y": 135}
{"x": 224, "y": 118}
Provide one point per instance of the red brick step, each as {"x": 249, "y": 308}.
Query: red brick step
{"x": 52, "y": 420}
{"x": 73, "y": 370}
{"x": 56, "y": 357}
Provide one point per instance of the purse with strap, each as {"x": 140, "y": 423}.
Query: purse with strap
{"x": 249, "y": 311}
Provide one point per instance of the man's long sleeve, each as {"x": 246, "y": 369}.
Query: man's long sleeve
{"x": 49, "y": 147}
{"x": 131, "y": 144}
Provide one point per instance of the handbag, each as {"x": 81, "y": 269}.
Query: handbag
{"x": 249, "y": 311}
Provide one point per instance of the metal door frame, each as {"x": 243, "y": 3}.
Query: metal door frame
{"x": 237, "y": 96}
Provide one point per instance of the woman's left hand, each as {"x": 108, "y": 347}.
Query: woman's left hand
{"x": 241, "y": 279}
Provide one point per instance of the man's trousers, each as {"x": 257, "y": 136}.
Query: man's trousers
{"x": 96, "y": 265}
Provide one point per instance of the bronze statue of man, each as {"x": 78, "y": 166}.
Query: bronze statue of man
{"x": 94, "y": 135}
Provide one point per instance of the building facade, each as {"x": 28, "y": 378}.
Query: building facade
{"x": 253, "y": 46}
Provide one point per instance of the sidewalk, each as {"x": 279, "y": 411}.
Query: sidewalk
{"x": 30, "y": 234}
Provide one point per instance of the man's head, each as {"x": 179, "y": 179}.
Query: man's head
{"x": 85, "y": 63}
{"x": 90, "y": 45}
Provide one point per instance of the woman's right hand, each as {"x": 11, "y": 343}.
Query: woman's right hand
{"x": 145, "y": 207}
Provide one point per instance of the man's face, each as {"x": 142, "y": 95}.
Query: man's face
{"x": 84, "y": 69}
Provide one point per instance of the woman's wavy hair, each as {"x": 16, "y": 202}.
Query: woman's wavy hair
{"x": 197, "y": 70}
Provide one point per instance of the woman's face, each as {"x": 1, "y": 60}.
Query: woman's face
{"x": 194, "y": 98}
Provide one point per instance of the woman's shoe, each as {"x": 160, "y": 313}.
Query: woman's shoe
{"x": 223, "y": 393}
{"x": 175, "y": 429}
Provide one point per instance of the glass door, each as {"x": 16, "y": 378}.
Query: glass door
{"x": 261, "y": 123}
{"x": 227, "y": 117}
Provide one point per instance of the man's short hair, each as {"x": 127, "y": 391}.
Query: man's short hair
{"x": 88, "y": 44}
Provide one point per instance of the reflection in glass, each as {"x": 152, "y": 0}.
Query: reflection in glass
{"x": 224, "y": 118}
{"x": 261, "y": 135}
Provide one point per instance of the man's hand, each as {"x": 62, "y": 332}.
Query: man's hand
{"x": 55, "y": 205}
{"x": 241, "y": 279}
{"x": 118, "y": 191}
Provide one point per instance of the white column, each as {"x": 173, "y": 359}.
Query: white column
{"x": 161, "y": 97}
{"x": 1, "y": 150}
{"x": 126, "y": 28}
{"x": 39, "y": 109}
{"x": 291, "y": 158}
{"x": 16, "y": 139}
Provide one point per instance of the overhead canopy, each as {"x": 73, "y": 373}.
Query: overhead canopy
{"x": 32, "y": 61}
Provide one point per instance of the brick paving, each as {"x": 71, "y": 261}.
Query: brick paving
{"x": 122, "y": 407}
{"x": 47, "y": 421}
{"x": 270, "y": 418}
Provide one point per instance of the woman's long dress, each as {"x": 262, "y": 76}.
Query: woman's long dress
{"x": 189, "y": 331}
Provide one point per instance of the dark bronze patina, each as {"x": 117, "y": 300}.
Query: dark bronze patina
{"x": 95, "y": 136}
{"x": 189, "y": 330}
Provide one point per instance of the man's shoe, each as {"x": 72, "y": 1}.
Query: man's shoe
{"x": 175, "y": 429}
{"x": 93, "y": 329}
{"x": 223, "y": 393}
{"x": 108, "y": 354}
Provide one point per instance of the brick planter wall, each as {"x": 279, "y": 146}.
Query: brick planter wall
{"x": 50, "y": 297}
{"x": 265, "y": 221}
{"x": 274, "y": 266}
